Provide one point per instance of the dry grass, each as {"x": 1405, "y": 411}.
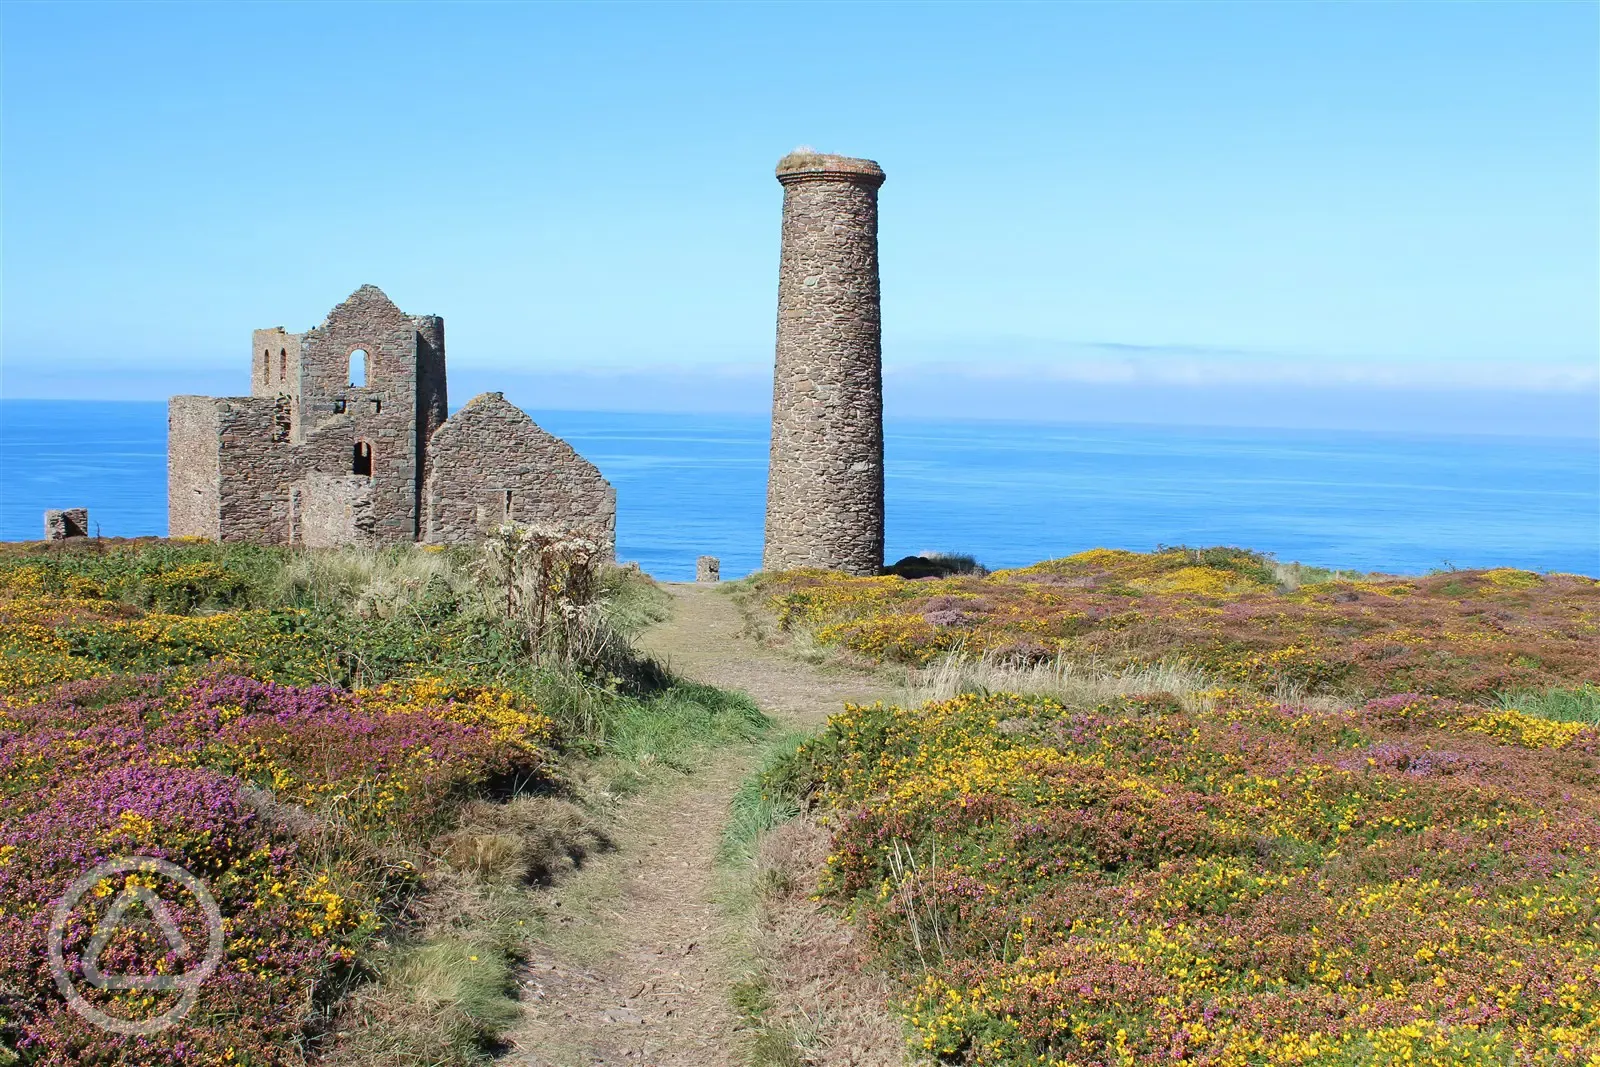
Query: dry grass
{"x": 1065, "y": 679}
{"x": 807, "y": 158}
{"x": 803, "y": 158}
{"x": 1078, "y": 683}
{"x": 440, "y": 1004}
{"x": 448, "y": 982}
{"x": 1463, "y": 634}
{"x": 1291, "y": 576}
{"x": 529, "y": 839}
{"x": 821, "y": 1002}
{"x": 370, "y": 582}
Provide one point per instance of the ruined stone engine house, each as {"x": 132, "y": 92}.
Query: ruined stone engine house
{"x": 346, "y": 439}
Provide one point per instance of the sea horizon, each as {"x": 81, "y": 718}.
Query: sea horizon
{"x": 1009, "y": 492}
{"x": 714, "y": 413}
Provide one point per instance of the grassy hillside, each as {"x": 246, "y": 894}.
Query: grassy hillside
{"x": 1243, "y": 815}
{"x": 366, "y": 757}
{"x": 1230, "y": 614}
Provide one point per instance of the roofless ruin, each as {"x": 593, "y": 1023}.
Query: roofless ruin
{"x": 346, "y": 439}
{"x": 346, "y": 436}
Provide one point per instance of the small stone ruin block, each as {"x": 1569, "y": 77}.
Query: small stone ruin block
{"x": 707, "y": 569}
{"x": 60, "y": 524}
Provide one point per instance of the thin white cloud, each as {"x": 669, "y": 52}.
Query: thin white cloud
{"x": 1114, "y": 363}
{"x": 998, "y": 363}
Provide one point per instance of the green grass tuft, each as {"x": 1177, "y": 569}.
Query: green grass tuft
{"x": 633, "y": 602}
{"x": 1559, "y": 705}
{"x": 766, "y": 798}
{"x": 673, "y": 726}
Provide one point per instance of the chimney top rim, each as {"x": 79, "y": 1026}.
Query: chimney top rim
{"x": 803, "y": 164}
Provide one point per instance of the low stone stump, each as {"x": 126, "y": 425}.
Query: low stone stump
{"x": 707, "y": 569}
{"x": 62, "y": 523}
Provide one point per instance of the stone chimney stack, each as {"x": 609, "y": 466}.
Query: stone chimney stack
{"x": 825, "y": 482}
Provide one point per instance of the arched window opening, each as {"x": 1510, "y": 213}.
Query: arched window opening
{"x": 266, "y": 364}
{"x": 358, "y": 368}
{"x": 508, "y": 505}
{"x": 283, "y": 364}
{"x": 361, "y": 463}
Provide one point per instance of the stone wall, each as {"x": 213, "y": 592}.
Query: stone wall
{"x": 227, "y": 478}
{"x": 825, "y": 481}
{"x": 492, "y": 464}
{"x": 433, "y": 402}
{"x": 193, "y": 472}
{"x": 62, "y": 523}
{"x": 253, "y": 490}
{"x": 382, "y": 413}
{"x": 332, "y": 509}
{"x": 274, "y": 362}
{"x": 313, "y": 457}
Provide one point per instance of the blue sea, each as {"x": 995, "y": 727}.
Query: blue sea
{"x": 1009, "y": 493}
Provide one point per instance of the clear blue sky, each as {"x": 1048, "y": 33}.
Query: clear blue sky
{"x": 1314, "y": 197}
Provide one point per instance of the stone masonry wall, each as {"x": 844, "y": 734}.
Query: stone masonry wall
{"x": 332, "y": 510}
{"x": 62, "y": 523}
{"x": 193, "y": 473}
{"x": 290, "y": 462}
{"x": 274, "y": 362}
{"x": 433, "y": 402}
{"x": 336, "y": 415}
{"x": 490, "y": 449}
{"x": 825, "y": 481}
{"x": 253, "y": 490}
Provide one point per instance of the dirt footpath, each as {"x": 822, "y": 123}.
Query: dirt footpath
{"x": 633, "y": 971}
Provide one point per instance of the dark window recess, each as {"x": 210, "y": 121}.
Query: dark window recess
{"x": 282, "y": 418}
{"x": 266, "y": 364}
{"x": 377, "y": 407}
{"x": 508, "y": 505}
{"x": 361, "y": 462}
{"x": 283, "y": 364}
{"x": 338, "y": 405}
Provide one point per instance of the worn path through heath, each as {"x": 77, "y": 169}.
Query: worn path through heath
{"x": 634, "y": 970}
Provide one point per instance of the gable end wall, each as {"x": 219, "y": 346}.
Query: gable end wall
{"x": 490, "y": 447}
{"x": 382, "y": 412}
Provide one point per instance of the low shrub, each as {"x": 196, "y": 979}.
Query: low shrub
{"x": 363, "y": 757}
{"x": 934, "y": 565}
{"x": 1413, "y": 880}
{"x": 1221, "y": 612}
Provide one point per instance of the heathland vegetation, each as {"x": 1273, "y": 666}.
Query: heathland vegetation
{"x": 370, "y": 758}
{"x": 1193, "y": 806}
{"x": 1185, "y": 806}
